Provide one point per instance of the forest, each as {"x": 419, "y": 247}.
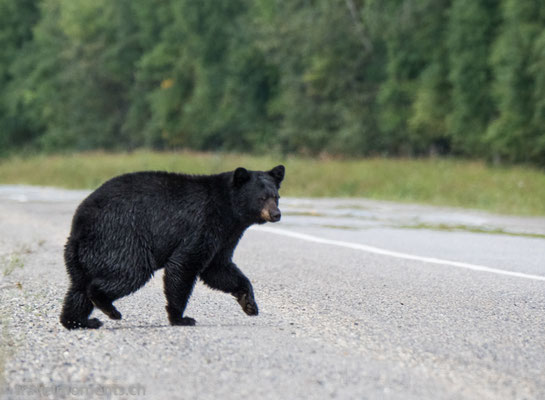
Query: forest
{"x": 346, "y": 78}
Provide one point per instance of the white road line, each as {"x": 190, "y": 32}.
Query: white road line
{"x": 396, "y": 254}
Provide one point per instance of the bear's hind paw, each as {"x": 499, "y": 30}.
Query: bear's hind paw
{"x": 114, "y": 314}
{"x": 93, "y": 323}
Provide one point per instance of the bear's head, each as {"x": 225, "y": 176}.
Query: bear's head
{"x": 256, "y": 194}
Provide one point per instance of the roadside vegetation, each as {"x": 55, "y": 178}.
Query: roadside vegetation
{"x": 353, "y": 78}
{"x": 472, "y": 184}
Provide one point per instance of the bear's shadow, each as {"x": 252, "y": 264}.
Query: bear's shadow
{"x": 166, "y": 325}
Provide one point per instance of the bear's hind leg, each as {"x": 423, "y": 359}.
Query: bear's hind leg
{"x": 102, "y": 295}
{"x": 76, "y": 310}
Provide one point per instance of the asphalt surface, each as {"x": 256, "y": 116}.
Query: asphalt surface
{"x": 335, "y": 322}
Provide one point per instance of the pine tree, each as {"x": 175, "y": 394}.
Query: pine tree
{"x": 471, "y": 30}
{"x": 517, "y": 134}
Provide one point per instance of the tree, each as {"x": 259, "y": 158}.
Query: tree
{"x": 328, "y": 74}
{"x": 518, "y": 58}
{"x": 17, "y": 19}
{"x": 414, "y": 96}
{"x": 471, "y": 32}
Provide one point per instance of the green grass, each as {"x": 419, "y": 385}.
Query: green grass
{"x": 13, "y": 261}
{"x": 473, "y": 229}
{"x": 446, "y": 182}
{"x": 11, "y": 264}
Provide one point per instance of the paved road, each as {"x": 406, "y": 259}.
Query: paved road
{"x": 337, "y": 320}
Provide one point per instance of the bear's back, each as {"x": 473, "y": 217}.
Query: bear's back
{"x": 151, "y": 188}
{"x": 151, "y": 201}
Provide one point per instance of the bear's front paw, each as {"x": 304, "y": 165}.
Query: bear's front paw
{"x": 248, "y": 304}
{"x": 184, "y": 321}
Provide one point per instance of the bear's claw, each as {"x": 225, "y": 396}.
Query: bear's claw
{"x": 248, "y": 304}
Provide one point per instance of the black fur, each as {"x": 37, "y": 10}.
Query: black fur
{"x": 137, "y": 223}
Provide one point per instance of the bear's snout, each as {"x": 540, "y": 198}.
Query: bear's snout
{"x": 271, "y": 213}
{"x": 275, "y": 215}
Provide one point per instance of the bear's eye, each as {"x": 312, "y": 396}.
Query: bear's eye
{"x": 262, "y": 198}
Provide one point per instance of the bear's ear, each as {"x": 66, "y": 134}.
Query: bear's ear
{"x": 278, "y": 174}
{"x": 240, "y": 176}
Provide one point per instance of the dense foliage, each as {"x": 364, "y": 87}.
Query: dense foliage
{"x": 348, "y": 77}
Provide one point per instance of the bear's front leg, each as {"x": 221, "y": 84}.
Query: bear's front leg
{"x": 222, "y": 274}
{"x": 178, "y": 284}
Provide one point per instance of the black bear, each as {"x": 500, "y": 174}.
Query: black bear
{"x": 137, "y": 223}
